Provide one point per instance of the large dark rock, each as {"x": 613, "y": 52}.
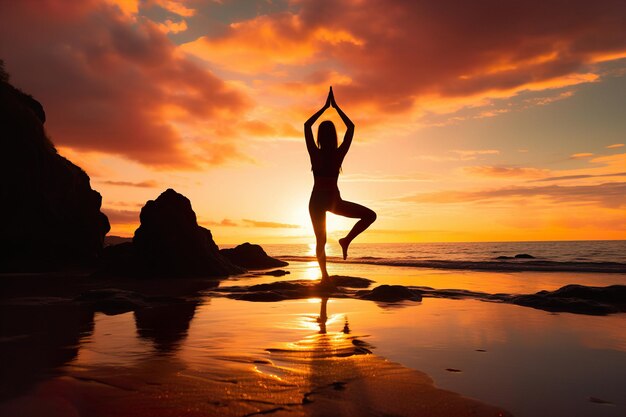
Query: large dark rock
{"x": 251, "y": 256}
{"x": 577, "y": 299}
{"x": 168, "y": 242}
{"x": 50, "y": 216}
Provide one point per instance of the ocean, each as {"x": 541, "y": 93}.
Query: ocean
{"x": 590, "y": 255}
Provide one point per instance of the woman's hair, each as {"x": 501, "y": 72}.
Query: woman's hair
{"x": 327, "y": 135}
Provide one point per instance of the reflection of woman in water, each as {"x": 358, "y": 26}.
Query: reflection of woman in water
{"x": 326, "y": 159}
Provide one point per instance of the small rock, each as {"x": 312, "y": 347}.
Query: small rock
{"x": 351, "y": 282}
{"x": 251, "y": 256}
{"x": 339, "y": 386}
{"x": 390, "y": 294}
{"x": 599, "y": 401}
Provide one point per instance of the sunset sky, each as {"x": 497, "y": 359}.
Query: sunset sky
{"x": 475, "y": 121}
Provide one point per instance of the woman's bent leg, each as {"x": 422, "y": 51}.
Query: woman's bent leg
{"x": 318, "y": 218}
{"x": 348, "y": 209}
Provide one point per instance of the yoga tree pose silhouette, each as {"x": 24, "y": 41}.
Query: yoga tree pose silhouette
{"x": 326, "y": 159}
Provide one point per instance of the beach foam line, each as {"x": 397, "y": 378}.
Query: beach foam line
{"x": 504, "y": 265}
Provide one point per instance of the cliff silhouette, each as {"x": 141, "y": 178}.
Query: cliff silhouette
{"x": 50, "y": 216}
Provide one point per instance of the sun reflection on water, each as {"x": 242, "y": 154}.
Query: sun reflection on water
{"x": 324, "y": 339}
{"x": 271, "y": 375}
{"x": 312, "y": 271}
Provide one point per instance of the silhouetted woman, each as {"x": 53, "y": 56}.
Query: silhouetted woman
{"x": 326, "y": 159}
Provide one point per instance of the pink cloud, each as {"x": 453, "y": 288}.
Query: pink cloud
{"x": 140, "y": 184}
{"x": 110, "y": 82}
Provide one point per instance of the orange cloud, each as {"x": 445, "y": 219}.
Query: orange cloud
{"x": 128, "y": 7}
{"x": 170, "y": 26}
{"x": 581, "y": 155}
{"x": 505, "y": 172}
{"x": 460, "y": 155}
{"x": 471, "y": 154}
{"x": 379, "y": 177}
{"x": 121, "y": 217}
{"x": 223, "y": 223}
{"x": 610, "y": 195}
{"x": 259, "y": 128}
{"x": 615, "y": 145}
{"x": 265, "y": 42}
{"x": 273, "y": 225}
{"x": 173, "y": 6}
{"x": 581, "y": 176}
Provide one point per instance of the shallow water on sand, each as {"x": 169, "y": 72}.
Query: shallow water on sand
{"x": 530, "y": 362}
{"x": 527, "y": 361}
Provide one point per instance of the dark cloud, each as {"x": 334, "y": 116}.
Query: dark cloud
{"x": 395, "y": 52}
{"x": 455, "y": 48}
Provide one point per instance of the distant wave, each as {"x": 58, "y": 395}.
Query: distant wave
{"x": 496, "y": 265}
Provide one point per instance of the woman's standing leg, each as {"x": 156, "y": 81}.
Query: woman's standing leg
{"x": 348, "y": 209}
{"x": 318, "y": 218}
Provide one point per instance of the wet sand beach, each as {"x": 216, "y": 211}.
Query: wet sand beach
{"x": 119, "y": 347}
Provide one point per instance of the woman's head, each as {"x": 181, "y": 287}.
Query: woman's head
{"x": 327, "y": 136}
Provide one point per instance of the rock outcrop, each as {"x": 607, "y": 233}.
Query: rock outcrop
{"x": 251, "y": 256}
{"x": 169, "y": 242}
{"x": 390, "y": 294}
{"x": 577, "y": 299}
{"x": 50, "y": 216}
{"x": 296, "y": 289}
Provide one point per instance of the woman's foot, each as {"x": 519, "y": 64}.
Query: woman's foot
{"x": 343, "y": 242}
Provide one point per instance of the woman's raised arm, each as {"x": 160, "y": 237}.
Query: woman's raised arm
{"x": 347, "y": 138}
{"x": 308, "y": 133}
